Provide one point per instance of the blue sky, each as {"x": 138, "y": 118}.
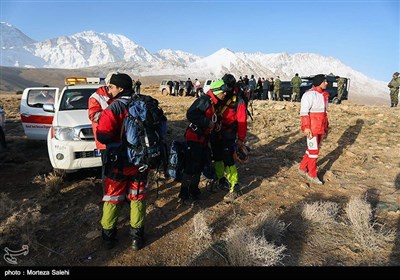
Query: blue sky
{"x": 365, "y": 35}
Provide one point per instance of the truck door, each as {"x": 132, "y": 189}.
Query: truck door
{"x": 35, "y": 121}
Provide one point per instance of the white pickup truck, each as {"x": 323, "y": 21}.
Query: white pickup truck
{"x": 62, "y": 119}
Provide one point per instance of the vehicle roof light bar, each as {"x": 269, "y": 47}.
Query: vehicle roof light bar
{"x": 84, "y": 80}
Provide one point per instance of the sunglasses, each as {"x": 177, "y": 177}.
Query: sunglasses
{"x": 223, "y": 88}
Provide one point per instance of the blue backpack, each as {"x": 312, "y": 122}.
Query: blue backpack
{"x": 145, "y": 127}
{"x": 175, "y": 159}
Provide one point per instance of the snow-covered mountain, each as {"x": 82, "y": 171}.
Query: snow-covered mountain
{"x": 105, "y": 52}
{"x": 180, "y": 57}
{"x": 12, "y": 37}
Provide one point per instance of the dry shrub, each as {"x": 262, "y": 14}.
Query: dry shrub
{"x": 202, "y": 231}
{"x": 50, "y": 183}
{"x": 22, "y": 224}
{"x": 270, "y": 226}
{"x": 322, "y": 213}
{"x": 353, "y": 238}
{"x": 244, "y": 248}
{"x": 248, "y": 246}
{"x": 368, "y": 234}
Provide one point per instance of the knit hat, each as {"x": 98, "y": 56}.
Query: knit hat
{"x": 121, "y": 80}
{"x": 318, "y": 79}
{"x": 108, "y": 78}
{"x": 229, "y": 80}
{"x": 218, "y": 87}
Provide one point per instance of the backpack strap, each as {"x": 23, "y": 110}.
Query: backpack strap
{"x": 126, "y": 101}
{"x": 232, "y": 99}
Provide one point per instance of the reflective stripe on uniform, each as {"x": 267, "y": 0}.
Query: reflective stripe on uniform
{"x": 310, "y": 155}
{"x": 113, "y": 198}
{"x": 135, "y": 192}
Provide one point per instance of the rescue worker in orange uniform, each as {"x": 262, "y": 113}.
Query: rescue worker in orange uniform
{"x": 203, "y": 119}
{"x": 121, "y": 178}
{"x": 233, "y": 112}
{"x": 314, "y": 124}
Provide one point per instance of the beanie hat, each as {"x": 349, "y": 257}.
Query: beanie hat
{"x": 318, "y": 79}
{"x": 229, "y": 80}
{"x": 108, "y": 78}
{"x": 218, "y": 87}
{"x": 121, "y": 80}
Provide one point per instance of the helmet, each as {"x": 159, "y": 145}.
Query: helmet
{"x": 218, "y": 87}
{"x": 229, "y": 80}
{"x": 241, "y": 154}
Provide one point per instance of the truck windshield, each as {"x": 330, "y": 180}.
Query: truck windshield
{"x": 76, "y": 99}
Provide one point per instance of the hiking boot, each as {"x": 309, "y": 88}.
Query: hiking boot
{"x": 223, "y": 184}
{"x": 231, "y": 196}
{"x": 109, "y": 240}
{"x": 109, "y": 244}
{"x": 315, "y": 180}
{"x": 137, "y": 244}
{"x": 186, "y": 201}
{"x": 302, "y": 173}
{"x": 196, "y": 197}
{"x": 211, "y": 186}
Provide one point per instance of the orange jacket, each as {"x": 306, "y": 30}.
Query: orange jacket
{"x": 98, "y": 101}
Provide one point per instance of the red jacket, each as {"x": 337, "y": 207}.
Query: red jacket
{"x": 234, "y": 115}
{"x": 98, "y": 101}
{"x": 111, "y": 122}
{"x": 313, "y": 111}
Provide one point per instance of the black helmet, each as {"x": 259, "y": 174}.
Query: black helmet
{"x": 229, "y": 80}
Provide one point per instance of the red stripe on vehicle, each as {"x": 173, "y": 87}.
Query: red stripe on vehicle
{"x": 37, "y": 119}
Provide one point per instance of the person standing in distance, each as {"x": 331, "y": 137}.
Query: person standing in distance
{"x": 394, "y": 90}
{"x": 314, "y": 124}
{"x": 296, "y": 83}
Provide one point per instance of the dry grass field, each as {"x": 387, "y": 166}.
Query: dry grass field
{"x": 280, "y": 220}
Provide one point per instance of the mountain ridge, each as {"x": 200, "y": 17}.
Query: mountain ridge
{"x": 104, "y": 52}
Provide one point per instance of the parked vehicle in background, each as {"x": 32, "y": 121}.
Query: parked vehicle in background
{"x": 286, "y": 88}
{"x": 64, "y": 123}
{"x": 164, "y": 87}
{"x": 3, "y": 144}
{"x": 36, "y": 122}
{"x": 70, "y": 141}
{"x": 182, "y": 88}
{"x": 207, "y": 84}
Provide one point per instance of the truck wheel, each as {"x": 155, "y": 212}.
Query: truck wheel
{"x": 335, "y": 100}
{"x": 164, "y": 92}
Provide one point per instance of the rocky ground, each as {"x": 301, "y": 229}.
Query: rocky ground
{"x": 359, "y": 159}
